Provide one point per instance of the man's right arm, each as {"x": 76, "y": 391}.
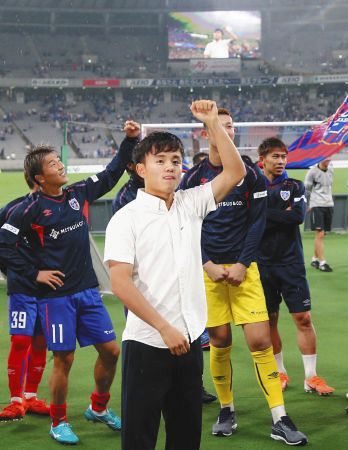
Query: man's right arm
{"x": 15, "y": 225}
{"x": 233, "y": 167}
{"x": 123, "y": 287}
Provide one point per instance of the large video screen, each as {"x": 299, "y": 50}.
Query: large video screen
{"x": 214, "y": 34}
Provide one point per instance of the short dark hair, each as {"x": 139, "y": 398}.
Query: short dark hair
{"x": 247, "y": 160}
{"x": 219, "y": 29}
{"x": 29, "y": 181}
{"x": 222, "y": 112}
{"x": 198, "y": 157}
{"x": 267, "y": 145}
{"x": 34, "y": 160}
{"x": 156, "y": 142}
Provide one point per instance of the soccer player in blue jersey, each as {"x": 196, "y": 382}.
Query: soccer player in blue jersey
{"x": 27, "y": 355}
{"x": 230, "y": 237}
{"x": 55, "y": 222}
{"x": 281, "y": 262}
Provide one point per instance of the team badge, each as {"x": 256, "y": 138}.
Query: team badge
{"x": 74, "y": 204}
{"x": 285, "y": 195}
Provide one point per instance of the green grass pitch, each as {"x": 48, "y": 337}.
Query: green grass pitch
{"x": 16, "y": 186}
{"x": 321, "y": 418}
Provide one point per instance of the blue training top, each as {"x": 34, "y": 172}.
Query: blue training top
{"x": 232, "y": 233}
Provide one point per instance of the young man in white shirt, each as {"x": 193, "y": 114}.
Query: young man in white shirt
{"x": 219, "y": 47}
{"x": 153, "y": 250}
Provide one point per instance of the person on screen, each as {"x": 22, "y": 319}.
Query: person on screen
{"x": 219, "y": 47}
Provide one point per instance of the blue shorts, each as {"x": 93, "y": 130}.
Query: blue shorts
{"x": 80, "y": 316}
{"x": 23, "y": 315}
{"x": 287, "y": 282}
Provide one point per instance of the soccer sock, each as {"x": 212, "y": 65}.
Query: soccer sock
{"x": 36, "y": 364}
{"x": 99, "y": 401}
{"x": 321, "y": 263}
{"x": 280, "y": 362}
{"x": 221, "y": 371}
{"x": 58, "y": 414}
{"x": 310, "y": 365}
{"x": 16, "y": 365}
{"x": 314, "y": 258}
{"x": 277, "y": 413}
{"x": 268, "y": 377}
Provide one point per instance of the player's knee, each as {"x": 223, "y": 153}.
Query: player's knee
{"x": 20, "y": 343}
{"x": 320, "y": 234}
{"x": 220, "y": 337}
{"x": 109, "y": 353}
{"x": 63, "y": 361}
{"x": 259, "y": 343}
{"x": 303, "y": 320}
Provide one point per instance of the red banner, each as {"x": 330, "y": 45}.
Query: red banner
{"x": 101, "y": 83}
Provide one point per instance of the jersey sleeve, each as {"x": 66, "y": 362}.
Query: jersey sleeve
{"x": 98, "y": 185}
{"x": 199, "y": 200}
{"x": 296, "y": 214}
{"x": 120, "y": 239}
{"x": 190, "y": 179}
{"x": 257, "y": 218}
{"x": 15, "y": 226}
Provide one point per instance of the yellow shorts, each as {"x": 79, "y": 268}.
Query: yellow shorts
{"x": 238, "y": 304}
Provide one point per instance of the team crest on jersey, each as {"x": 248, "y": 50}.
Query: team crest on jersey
{"x": 285, "y": 195}
{"x": 74, "y": 204}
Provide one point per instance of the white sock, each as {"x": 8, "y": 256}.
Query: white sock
{"x": 314, "y": 258}
{"x": 29, "y": 395}
{"x": 16, "y": 399}
{"x": 280, "y": 362}
{"x": 277, "y": 413}
{"x": 310, "y": 365}
{"x": 101, "y": 413}
{"x": 228, "y": 405}
{"x": 321, "y": 263}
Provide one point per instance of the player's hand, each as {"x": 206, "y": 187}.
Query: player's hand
{"x": 236, "y": 274}
{"x": 216, "y": 272}
{"x": 131, "y": 128}
{"x": 50, "y": 277}
{"x": 204, "y": 110}
{"x": 175, "y": 341}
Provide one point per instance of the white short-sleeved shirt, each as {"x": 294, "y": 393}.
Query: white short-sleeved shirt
{"x": 217, "y": 49}
{"x": 164, "y": 247}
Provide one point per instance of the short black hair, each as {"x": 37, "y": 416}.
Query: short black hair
{"x": 156, "y": 142}
{"x": 219, "y": 29}
{"x": 34, "y": 160}
{"x": 247, "y": 160}
{"x": 29, "y": 181}
{"x": 198, "y": 157}
{"x": 267, "y": 145}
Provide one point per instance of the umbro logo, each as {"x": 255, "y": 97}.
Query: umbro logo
{"x": 47, "y": 212}
{"x": 273, "y": 375}
{"x": 203, "y": 180}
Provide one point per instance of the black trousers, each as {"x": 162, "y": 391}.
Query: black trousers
{"x": 154, "y": 382}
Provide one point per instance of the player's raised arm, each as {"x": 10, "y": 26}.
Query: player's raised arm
{"x": 233, "y": 166}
